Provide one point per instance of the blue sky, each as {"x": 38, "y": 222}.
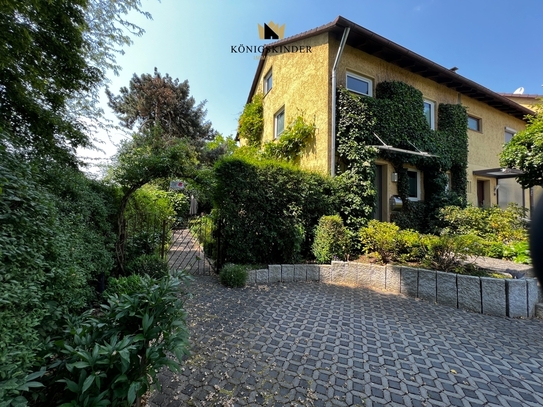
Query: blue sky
{"x": 497, "y": 43}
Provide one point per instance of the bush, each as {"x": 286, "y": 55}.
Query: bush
{"x": 449, "y": 252}
{"x": 114, "y": 358}
{"x": 149, "y": 264}
{"x": 494, "y": 224}
{"x": 233, "y": 275}
{"x": 380, "y": 237}
{"x": 519, "y": 252}
{"x": 128, "y": 285}
{"x": 331, "y": 240}
{"x": 268, "y": 211}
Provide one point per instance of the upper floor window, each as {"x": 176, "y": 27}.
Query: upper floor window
{"x": 430, "y": 113}
{"x": 413, "y": 179}
{"x": 268, "y": 82}
{"x": 509, "y": 133}
{"x": 359, "y": 84}
{"x": 279, "y": 120}
{"x": 474, "y": 123}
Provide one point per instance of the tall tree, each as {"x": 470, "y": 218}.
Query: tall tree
{"x": 153, "y": 101}
{"x": 42, "y": 64}
{"x": 525, "y": 151}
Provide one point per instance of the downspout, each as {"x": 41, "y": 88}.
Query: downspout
{"x": 334, "y": 97}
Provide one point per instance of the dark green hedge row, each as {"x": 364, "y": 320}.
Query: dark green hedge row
{"x": 267, "y": 211}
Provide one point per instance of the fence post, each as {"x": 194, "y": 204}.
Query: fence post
{"x": 163, "y": 240}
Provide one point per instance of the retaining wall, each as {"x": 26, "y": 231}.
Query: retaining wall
{"x": 492, "y": 296}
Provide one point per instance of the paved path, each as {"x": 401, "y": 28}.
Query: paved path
{"x": 311, "y": 344}
{"x": 186, "y": 253}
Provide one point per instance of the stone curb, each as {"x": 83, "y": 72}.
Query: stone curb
{"x": 486, "y": 295}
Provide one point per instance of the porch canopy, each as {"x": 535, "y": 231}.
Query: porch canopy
{"x": 498, "y": 173}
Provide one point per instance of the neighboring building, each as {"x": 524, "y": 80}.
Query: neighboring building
{"x": 303, "y": 82}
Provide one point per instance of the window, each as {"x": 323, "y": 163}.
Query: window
{"x": 429, "y": 113}
{"x": 268, "y": 82}
{"x": 509, "y": 133}
{"x": 359, "y": 84}
{"x": 279, "y": 122}
{"x": 413, "y": 178}
{"x": 474, "y": 123}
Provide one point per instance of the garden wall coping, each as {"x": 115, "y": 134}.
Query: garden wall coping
{"x": 486, "y": 295}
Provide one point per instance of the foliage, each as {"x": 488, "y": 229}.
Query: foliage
{"x": 449, "y": 252}
{"x": 525, "y": 151}
{"x": 233, "y": 275}
{"x": 203, "y": 229}
{"x": 519, "y": 252}
{"x": 396, "y": 116}
{"x": 129, "y": 285}
{"x": 55, "y": 240}
{"x": 149, "y": 264}
{"x": 292, "y": 143}
{"x": 267, "y": 211}
{"x": 414, "y": 218}
{"x": 493, "y": 224}
{"x": 156, "y": 101}
{"x": 218, "y": 147}
{"x": 251, "y": 122}
{"x": 42, "y": 64}
{"x": 332, "y": 240}
{"x": 380, "y": 237}
{"x": 114, "y": 358}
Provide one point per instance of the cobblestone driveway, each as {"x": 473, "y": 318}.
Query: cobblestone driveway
{"x": 311, "y": 344}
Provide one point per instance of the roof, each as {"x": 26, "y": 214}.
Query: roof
{"x": 380, "y": 47}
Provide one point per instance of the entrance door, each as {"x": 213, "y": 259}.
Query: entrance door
{"x": 483, "y": 194}
{"x": 378, "y": 212}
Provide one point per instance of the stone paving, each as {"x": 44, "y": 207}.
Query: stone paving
{"x": 315, "y": 344}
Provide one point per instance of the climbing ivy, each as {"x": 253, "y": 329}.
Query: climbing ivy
{"x": 251, "y": 122}
{"x": 290, "y": 145}
{"x": 396, "y": 116}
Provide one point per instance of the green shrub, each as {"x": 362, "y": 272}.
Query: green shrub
{"x": 519, "y": 252}
{"x": 380, "y": 237}
{"x": 115, "y": 357}
{"x": 494, "y": 224}
{"x": 449, "y": 252}
{"x": 332, "y": 240}
{"x": 123, "y": 285}
{"x": 409, "y": 246}
{"x": 233, "y": 275}
{"x": 149, "y": 264}
{"x": 268, "y": 211}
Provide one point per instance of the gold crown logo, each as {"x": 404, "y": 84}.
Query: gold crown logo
{"x": 276, "y": 28}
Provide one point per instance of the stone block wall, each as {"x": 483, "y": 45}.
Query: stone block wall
{"x": 492, "y": 296}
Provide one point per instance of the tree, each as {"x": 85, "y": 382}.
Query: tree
{"x": 525, "y": 152}
{"x": 42, "y": 64}
{"x": 152, "y": 101}
{"x": 144, "y": 158}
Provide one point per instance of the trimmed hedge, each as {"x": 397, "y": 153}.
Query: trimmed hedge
{"x": 267, "y": 211}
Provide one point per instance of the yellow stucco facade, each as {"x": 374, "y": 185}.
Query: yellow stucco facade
{"x": 302, "y": 85}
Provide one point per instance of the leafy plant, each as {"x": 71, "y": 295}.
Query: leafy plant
{"x": 292, "y": 142}
{"x": 114, "y": 358}
{"x": 233, "y": 275}
{"x": 332, "y": 240}
{"x": 380, "y": 237}
{"x": 251, "y": 121}
{"x": 149, "y": 264}
{"x": 449, "y": 252}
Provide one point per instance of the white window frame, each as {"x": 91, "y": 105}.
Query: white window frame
{"x": 419, "y": 191}
{"x": 268, "y": 82}
{"x": 277, "y": 134}
{"x": 432, "y": 105}
{"x": 360, "y": 78}
{"x": 508, "y": 130}
{"x": 479, "y": 123}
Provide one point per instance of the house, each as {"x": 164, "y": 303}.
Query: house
{"x": 344, "y": 54}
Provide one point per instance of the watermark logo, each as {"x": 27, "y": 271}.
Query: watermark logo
{"x": 271, "y": 31}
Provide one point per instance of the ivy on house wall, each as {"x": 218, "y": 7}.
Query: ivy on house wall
{"x": 396, "y": 116}
{"x": 288, "y": 147}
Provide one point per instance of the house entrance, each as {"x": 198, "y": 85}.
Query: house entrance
{"x": 483, "y": 194}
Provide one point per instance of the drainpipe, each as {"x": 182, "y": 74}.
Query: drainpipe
{"x": 334, "y": 80}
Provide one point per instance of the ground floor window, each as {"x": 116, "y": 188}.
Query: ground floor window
{"x": 413, "y": 178}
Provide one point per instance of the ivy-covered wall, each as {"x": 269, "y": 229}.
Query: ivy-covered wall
{"x": 395, "y": 114}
